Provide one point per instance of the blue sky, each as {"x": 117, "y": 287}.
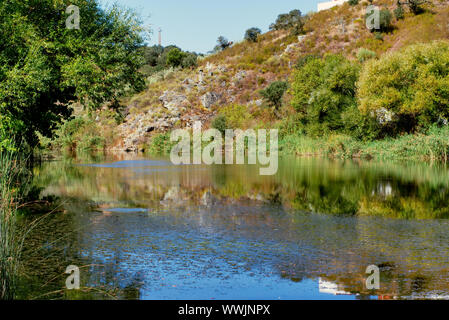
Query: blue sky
{"x": 195, "y": 25}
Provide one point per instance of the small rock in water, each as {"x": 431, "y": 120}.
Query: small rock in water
{"x": 208, "y": 199}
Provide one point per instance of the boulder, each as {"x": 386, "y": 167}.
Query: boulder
{"x": 240, "y": 76}
{"x": 172, "y": 100}
{"x": 209, "y": 99}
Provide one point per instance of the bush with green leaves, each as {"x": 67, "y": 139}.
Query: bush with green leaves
{"x": 353, "y": 2}
{"x": 75, "y": 134}
{"x": 274, "y": 92}
{"x": 190, "y": 60}
{"x": 156, "y": 59}
{"x": 9, "y": 129}
{"x": 220, "y": 123}
{"x": 408, "y": 89}
{"x": 323, "y": 89}
{"x": 160, "y": 144}
{"x": 237, "y": 116}
{"x": 175, "y": 57}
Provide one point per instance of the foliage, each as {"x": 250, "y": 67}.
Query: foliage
{"x": 158, "y": 58}
{"x": 274, "y": 92}
{"x": 293, "y": 21}
{"x": 365, "y": 55}
{"x": 9, "y": 129}
{"x": 13, "y": 180}
{"x": 385, "y": 20}
{"x": 220, "y": 123}
{"x": 44, "y": 66}
{"x": 399, "y": 12}
{"x": 408, "y": 89}
{"x": 252, "y": 34}
{"x": 432, "y": 145}
{"x": 189, "y": 60}
{"x": 222, "y": 44}
{"x": 160, "y": 144}
{"x": 415, "y": 6}
{"x": 76, "y": 134}
{"x": 175, "y": 57}
{"x": 323, "y": 89}
{"x": 236, "y": 116}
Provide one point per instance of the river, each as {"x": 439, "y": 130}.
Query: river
{"x": 142, "y": 228}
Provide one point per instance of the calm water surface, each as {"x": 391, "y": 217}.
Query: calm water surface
{"x": 140, "y": 228}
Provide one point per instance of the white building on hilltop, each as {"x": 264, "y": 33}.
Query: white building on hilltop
{"x": 330, "y": 4}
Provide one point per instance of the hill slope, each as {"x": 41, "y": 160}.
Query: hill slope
{"x": 177, "y": 98}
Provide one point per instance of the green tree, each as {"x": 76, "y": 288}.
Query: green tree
{"x": 323, "y": 89}
{"x": 274, "y": 93}
{"x": 415, "y": 6}
{"x": 408, "y": 89}
{"x": 45, "y": 66}
{"x": 220, "y": 123}
{"x": 252, "y": 34}
{"x": 293, "y": 21}
{"x": 175, "y": 57}
{"x": 222, "y": 44}
{"x": 190, "y": 60}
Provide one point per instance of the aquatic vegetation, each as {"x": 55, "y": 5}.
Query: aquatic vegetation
{"x": 12, "y": 172}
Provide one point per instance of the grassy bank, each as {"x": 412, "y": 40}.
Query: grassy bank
{"x": 432, "y": 145}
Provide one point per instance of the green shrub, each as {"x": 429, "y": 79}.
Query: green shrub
{"x": 415, "y": 6}
{"x": 190, "y": 60}
{"x": 175, "y": 57}
{"x": 365, "y": 54}
{"x": 274, "y": 92}
{"x": 76, "y": 134}
{"x": 236, "y": 115}
{"x": 160, "y": 144}
{"x": 220, "y": 123}
{"x": 322, "y": 90}
{"x": 399, "y": 12}
{"x": 10, "y": 133}
{"x": 407, "y": 90}
{"x": 386, "y": 20}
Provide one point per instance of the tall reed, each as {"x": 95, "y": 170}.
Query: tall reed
{"x": 12, "y": 173}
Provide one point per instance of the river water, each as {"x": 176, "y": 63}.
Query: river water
{"x": 141, "y": 228}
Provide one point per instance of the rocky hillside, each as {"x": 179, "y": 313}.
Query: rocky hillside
{"x": 177, "y": 98}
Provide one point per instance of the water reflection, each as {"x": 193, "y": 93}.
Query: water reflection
{"x": 150, "y": 230}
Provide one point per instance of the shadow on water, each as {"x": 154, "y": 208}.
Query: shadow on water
{"x": 144, "y": 229}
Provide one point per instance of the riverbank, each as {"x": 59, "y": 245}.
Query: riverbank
{"x": 431, "y": 146}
